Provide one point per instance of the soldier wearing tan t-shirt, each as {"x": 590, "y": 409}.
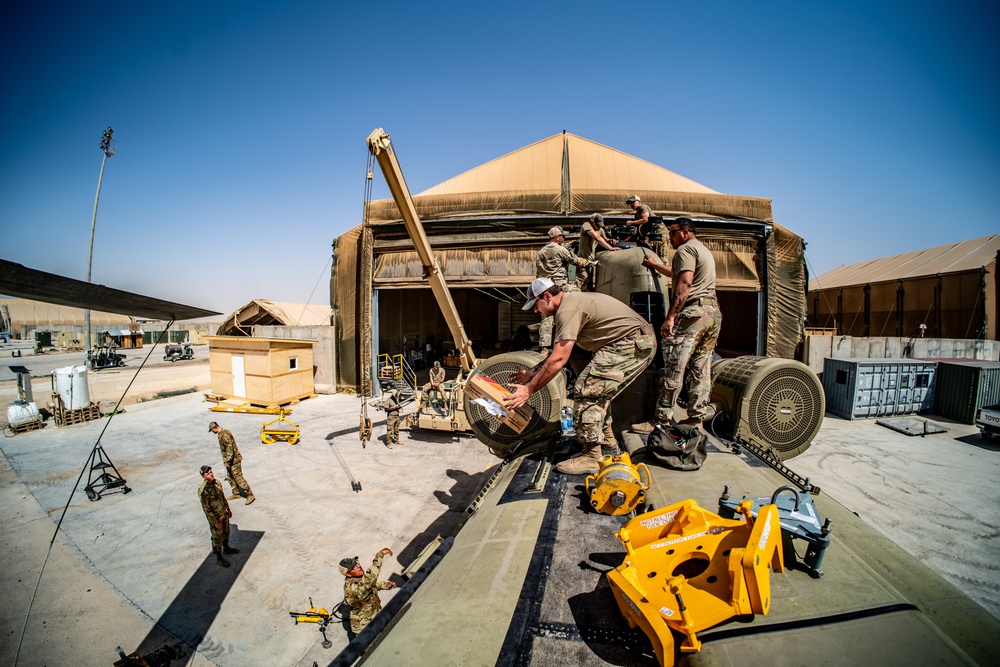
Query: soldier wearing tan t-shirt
{"x": 691, "y": 330}
{"x": 622, "y": 343}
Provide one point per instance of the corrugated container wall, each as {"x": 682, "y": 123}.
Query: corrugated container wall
{"x": 965, "y": 386}
{"x": 865, "y": 388}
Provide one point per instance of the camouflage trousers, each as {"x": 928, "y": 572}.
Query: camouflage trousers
{"x": 583, "y": 277}
{"x": 687, "y": 357}
{"x": 612, "y": 368}
{"x": 219, "y": 535}
{"x": 234, "y": 473}
{"x": 392, "y": 427}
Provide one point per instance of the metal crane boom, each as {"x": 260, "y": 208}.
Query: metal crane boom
{"x": 381, "y": 147}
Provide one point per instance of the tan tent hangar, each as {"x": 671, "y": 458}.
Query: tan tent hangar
{"x": 948, "y": 291}
{"x": 486, "y": 225}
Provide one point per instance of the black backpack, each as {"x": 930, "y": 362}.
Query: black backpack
{"x": 678, "y": 447}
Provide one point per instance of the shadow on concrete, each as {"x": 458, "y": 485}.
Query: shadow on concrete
{"x": 977, "y": 440}
{"x": 456, "y": 499}
{"x": 195, "y": 607}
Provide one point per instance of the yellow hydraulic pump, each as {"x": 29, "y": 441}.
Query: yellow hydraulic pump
{"x": 279, "y": 429}
{"x": 618, "y": 486}
{"x": 687, "y": 569}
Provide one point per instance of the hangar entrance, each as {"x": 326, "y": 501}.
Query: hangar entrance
{"x": 409, "y": 322}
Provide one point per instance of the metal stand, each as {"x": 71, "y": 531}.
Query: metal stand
{"x": 103, "y": 476}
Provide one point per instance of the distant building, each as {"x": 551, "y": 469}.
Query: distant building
{"x": 948, "y": 291}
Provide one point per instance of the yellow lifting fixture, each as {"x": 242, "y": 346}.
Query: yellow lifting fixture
{"x": 618, "y": 486}
{"x": 687, "y": 570}
{"x": 280, "y": 429}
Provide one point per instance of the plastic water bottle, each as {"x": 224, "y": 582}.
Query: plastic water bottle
{"x": 566, "y": 420}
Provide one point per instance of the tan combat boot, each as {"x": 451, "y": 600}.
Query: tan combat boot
{"x": 233, "y": 496}
{"x": 585, "y": 463}
{"x": 220, "y": 560}
{"x": 250, "y": 498}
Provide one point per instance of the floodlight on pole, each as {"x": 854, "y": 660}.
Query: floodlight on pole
{"x": 108, "y": 147}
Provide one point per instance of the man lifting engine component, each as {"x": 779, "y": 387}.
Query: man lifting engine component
{"x": 623, "y": 345}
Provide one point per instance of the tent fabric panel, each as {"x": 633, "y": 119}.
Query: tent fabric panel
{"x": 786, "y": 292}
{"x": 533, "y": 169}
{"x": 473, "y": 204}
{"x": 344, "y": 280}
{"x": 594, "y": 167}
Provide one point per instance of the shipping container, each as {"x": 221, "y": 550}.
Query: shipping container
{"x": 964, "y": 386}
{"x": 867, "y": 388}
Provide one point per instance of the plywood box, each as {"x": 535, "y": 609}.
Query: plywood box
{"x": 263, "y": 371}
{"x": 480, "y": 387}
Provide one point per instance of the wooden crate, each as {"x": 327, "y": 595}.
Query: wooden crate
{"x": 64, "y": 417}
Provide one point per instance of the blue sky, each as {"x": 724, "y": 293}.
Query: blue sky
{"x": 241, "y": 126}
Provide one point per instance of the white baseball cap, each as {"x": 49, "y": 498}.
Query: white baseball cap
{"x": 535, "y": 289}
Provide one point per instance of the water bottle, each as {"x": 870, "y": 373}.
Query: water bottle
{"x": 566, "y": 420}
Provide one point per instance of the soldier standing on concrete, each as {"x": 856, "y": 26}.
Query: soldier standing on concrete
{"x": 361, "y": 589}
{"x": 392, "y": 407}
{"x": 622, "y": 342}
{"x": 213, "y": 501}
{"x": 233, "y": 461}
{"x": 591, "y": 235}
{"x": 691, "y": 330}
{"x": 553, "y": 262}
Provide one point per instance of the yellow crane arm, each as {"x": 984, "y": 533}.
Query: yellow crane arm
{"x": 381, "y": 147}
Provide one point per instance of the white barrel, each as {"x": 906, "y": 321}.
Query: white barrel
{"x": 20, "y": 413}
{"x": 71, "y": 383}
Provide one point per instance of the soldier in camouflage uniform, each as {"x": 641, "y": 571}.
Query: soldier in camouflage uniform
{"x": 622, "y": 343}
{"x": 233, "y": 461}
{"x": 553, "y": 262}
{"x": 213, "y": 501}
{"x": 361, "y": 589}
{"x": 646, "y": 224}
{"x": 691, "y": 330}
{"x": 392, "y": 407}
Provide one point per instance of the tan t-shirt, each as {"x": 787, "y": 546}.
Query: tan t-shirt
{"x": 593, "y": 320}
{"x": 694, "y": 256}
{"x": 587, "y": 243}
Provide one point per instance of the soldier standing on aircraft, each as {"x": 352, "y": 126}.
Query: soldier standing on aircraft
{"x": 591, "y": 235}
{"x": 645, "y": 224}
{"x": 691, "y": 330}
{"x": 361, "y": 589}
{"x": 213, "y": 502}
{"x": 553, "y": 262}
{"x": 622, "y": 343}
{"x": 233, "y": 461}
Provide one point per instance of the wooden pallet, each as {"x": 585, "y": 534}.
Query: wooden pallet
{"x": 64, "y": 417}
{"x": 229, "y": 404}
{"x": 10, "y": 430}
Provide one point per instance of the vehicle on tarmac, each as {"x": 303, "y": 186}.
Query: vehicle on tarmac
{"x": 988, "y": 421}
{"x": 178, "y": 352}
{"x": 105, "y": 356}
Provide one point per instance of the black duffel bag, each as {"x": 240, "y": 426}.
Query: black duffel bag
{"x": 678, "y": 447}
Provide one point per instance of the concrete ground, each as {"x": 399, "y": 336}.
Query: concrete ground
{"x": 134, "y": 570}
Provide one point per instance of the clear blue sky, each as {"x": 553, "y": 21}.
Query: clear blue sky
{"x": 241, "y": 126}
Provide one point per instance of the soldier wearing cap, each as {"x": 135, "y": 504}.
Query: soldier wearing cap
{"x": 553, "y": 262}
{"x": 213, "y": 502}
{"x": 642, "y": 218}
{"x": 361, "y": 589}
{"x": 592, "y": 235}
{"x": 622, "y": 344}
{"x": 437, "y": 377}
{"x": 392, "y": 407}
{"x": 691, "y": 329}
{"x": 233, "y": 461}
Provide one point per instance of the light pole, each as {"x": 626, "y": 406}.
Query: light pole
{"x": 108, "y": 149}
